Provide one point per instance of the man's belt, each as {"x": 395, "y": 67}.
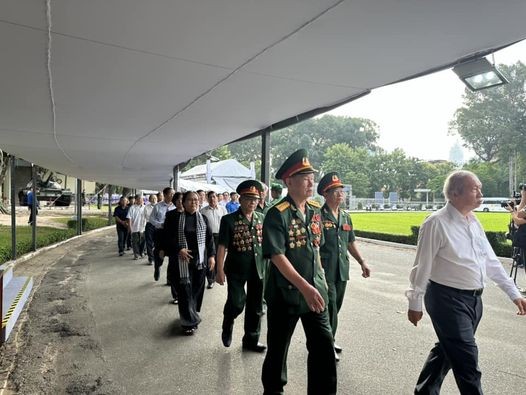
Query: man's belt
{"x": 471, "y": 292}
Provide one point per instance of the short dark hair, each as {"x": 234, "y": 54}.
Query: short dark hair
{"x": 199, "y": 191}
{"x": 167, "y": 190}
{"x": 176, "y": 197}
{"x": 233, "y": 194}
{"x": 210, "y": 193}
{"x": 187, "y": 193}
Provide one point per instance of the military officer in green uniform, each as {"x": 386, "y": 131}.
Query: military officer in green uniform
{"x": 339, "y": 238}
{"x": 240, "y": 239}
{"x": 263, "y": 206}
{"x": 296, "y": 288}
{"x": 275, "y": 193}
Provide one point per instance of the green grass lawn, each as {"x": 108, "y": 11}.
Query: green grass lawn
{"x": 45, "y": 236}
{"x": 399, "y": 223}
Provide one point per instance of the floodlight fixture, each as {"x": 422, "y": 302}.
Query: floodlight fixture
{"x": 479, "y": 74}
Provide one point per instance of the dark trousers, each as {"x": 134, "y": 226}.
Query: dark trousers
{"x": 128, "y": 240}
{"x": 157, "y": 260}
{"x": 137, "y": 243}
{"x": 336, "y": 294}
{"x": 253, "y": 299}
{"x": 321, "y": 365}
{"x": 171, "y": 277}
{"x": 30, "y": 220}
{"x": 455, "y": 316}
{"x": 122, "y": 233}
{"x": 211, "y": 273}
{"x": 190, "y": 293}
{"x": 148, "y": 239}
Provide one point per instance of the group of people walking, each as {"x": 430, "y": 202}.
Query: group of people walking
{"x": 294, "y": 254}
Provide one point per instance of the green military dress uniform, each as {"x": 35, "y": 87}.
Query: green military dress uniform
{"x": 335, "y": 259}
{"x": 244, "y": 264}
{"x": 287, "y": 231}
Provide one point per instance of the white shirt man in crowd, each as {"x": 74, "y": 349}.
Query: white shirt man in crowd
{"x": 453, "y": 261}
{"x": 136, "y": 225}
{"x": 213, "y": 213}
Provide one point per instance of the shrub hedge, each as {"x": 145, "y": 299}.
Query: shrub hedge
{"x": 45, "y": 236}
{"x": 497, "y": 240}
{"x": 88, "y": 223}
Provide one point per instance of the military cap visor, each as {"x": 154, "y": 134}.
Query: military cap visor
{"x": 297, "y": 163}
{"x": 250, "y": 188}
{"x": 329, "y": 181}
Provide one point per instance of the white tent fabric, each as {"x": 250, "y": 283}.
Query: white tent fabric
{"x": 189, "y": 185}
{"x": 227, "y": 173}
{"x": 121, "y": 91}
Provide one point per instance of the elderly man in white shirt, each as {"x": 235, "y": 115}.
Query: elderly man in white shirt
{"x": 453, "y": 261}
{"x": 136, "y": 224}
{"x": 213, "y": 213}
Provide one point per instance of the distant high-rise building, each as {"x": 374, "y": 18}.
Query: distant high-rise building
{"x": 456, "y": 154}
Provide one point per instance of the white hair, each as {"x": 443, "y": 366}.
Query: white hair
{"x": 455, "y": 183}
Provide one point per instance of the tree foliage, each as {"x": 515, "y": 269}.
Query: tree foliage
{"x": 492, "y": 122}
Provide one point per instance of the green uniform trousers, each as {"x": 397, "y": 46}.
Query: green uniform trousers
{"x": 336, "y": 294}
{"x": 237, "y": 299}
{"x": 321, "y": 365}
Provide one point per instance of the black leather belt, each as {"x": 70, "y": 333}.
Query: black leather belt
{"x": 471, "y": 292}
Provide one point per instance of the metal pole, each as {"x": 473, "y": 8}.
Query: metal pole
{"x": 109, "y": 205}
{"x": 265, "y": 156}
{"x": 175, "y": 185}
{"x": 13, "y": 209}
{"x": 79, "y": 206}
{"x": 34, "y": 207}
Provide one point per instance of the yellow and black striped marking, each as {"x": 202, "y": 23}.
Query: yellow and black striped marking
{"x": 9, "y": 312}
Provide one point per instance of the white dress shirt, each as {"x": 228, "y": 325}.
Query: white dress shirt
{"x": 453, "y": 250}
{"x": 213, "y": 215}
{"x": 136, "y": 217}
{"x": 148, "y": 212}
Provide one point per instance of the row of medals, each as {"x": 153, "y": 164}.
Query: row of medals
{"x": 243, "y": 237}
{"x": 297, "y": 235}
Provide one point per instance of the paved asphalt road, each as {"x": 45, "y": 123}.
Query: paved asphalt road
{"x": 98, "y": 323}
{"x": 383, "y": 352}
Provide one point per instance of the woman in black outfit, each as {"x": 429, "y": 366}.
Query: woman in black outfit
{"x": 189, "y": 244}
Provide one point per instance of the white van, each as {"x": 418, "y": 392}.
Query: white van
{"x": 492, "y": 204}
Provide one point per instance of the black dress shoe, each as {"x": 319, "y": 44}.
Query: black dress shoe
{"x": 337, "y": 348}
{"x": 226, "y": 335}
{"x": 336, "y": 357}
{"x": 189, "y": 331}
{"x": 210, "y": 286}
{"x": 156, "y": 273}
{"x": 258, "y": 347}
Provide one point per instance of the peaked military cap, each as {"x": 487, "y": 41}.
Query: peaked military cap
{"x": 276, "y": 187}
{"x": 329, "y": 181}
{"x": 250, "y": 188}
{"x": 297, "y": 163}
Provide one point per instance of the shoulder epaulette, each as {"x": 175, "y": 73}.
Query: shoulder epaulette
{"x": 282, "y": 206}
{"x": 314, "y": 203}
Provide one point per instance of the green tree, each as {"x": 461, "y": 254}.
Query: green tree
{"x": 493, "y": 121}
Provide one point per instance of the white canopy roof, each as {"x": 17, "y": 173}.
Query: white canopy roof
{"x": 120, "y": 91}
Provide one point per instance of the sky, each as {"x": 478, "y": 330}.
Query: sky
{"x": 414, "y": 115}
